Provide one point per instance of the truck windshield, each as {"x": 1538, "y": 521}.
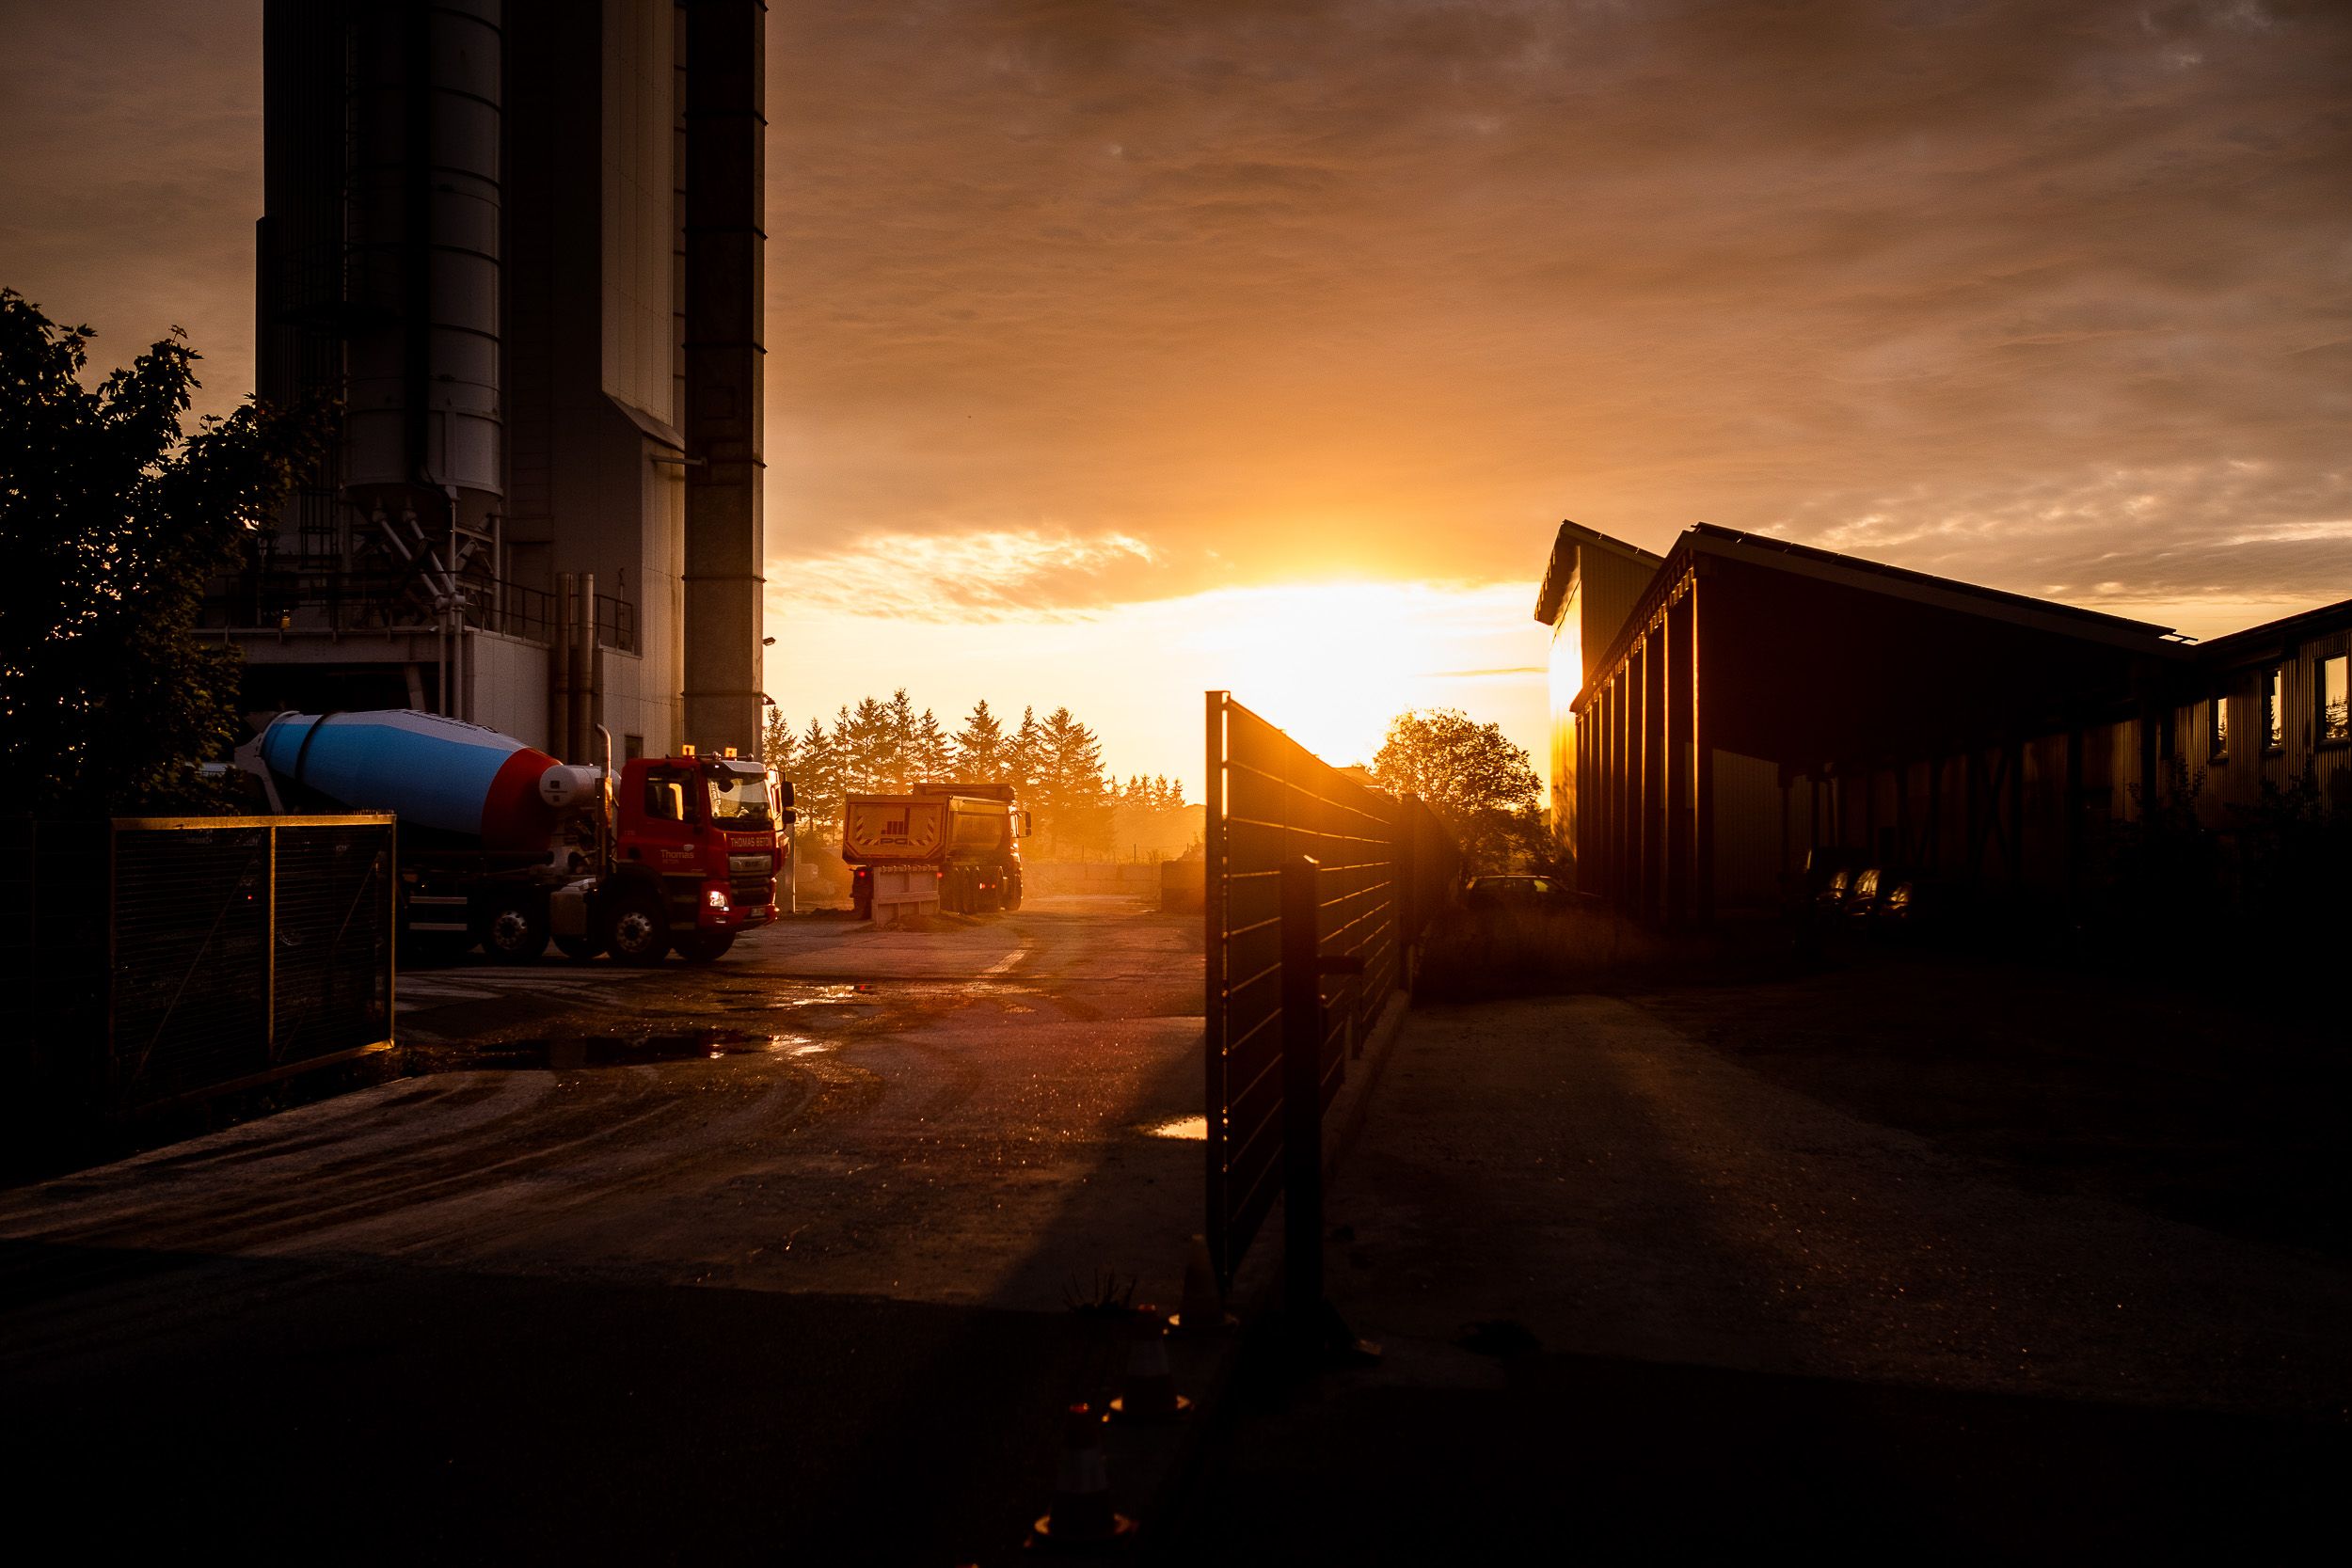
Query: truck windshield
{"x": 739, "y": 799}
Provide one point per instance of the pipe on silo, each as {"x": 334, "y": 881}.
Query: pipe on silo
{"x": 561, "y": 654}
{"x": 590, "y": 673}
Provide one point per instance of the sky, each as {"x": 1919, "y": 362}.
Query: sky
{"x": 1120, "y": 350}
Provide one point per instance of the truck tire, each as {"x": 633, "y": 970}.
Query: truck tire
{"x": 1012, "y": 891}
{"x": 638, "y": 931}
{"x": 512, "y": 929}
{"x": 705, "y": 947}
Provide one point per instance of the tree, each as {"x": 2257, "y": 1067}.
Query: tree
{"x": 928, "y": 754}
{"x": 1073, "y": 799}
{"x": 981, "y": 751}
{"x": 1478, "y": 783}
{"x": 865, "y": 750}
{"x": 896, "y": 754}
{"x": 818, "y": 783}
{"x": 776, "y": 743}
{"x": 1023, "y": 754}
{"x": 111, "y": 518}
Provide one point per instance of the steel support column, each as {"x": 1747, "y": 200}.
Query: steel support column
{"x": 1654, "y": 773}
{"x": 726, "y": 131}
{"x": 1682, "y": 745}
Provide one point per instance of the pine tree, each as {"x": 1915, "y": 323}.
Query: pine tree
{"x": 776, "y": 742}
{"x": 981, "y": 747}
{"x": 869, "y": 753}
{"x": 931, "y": 756}
{"x": 1071, "y": 789}
{"x": 896, "y": 754}
{"x": 1024, "y": 755}
{"x": 818, "y": 783}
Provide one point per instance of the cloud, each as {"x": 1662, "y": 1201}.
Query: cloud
{"x": 1399, "y": 285}
{"x": 1283, "y": 289}
{"x": 984, "y": 575}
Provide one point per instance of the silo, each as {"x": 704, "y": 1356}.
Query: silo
{"x": 422, "y": 223}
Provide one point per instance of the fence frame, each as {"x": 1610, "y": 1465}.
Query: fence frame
{"x": 272, "y": 826}
{"x": 1367, "y": 908}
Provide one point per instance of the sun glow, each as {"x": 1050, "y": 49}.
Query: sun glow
{"x": 1328, "y": 661}
{"x": 1332, "y": 662}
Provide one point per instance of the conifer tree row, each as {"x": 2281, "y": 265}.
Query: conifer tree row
{"x": 883, "y": 745}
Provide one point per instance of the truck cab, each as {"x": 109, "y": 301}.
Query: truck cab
{"x": 697, "y": 847}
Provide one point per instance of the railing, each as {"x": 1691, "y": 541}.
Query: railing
{"x": 616, "y": 624}
{"x": 1372, "y": 867}
{"x": 159, "y": 958}
{"x": 330, "y": 600}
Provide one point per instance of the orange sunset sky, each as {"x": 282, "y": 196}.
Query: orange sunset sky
{"x": 1116, "y": 351}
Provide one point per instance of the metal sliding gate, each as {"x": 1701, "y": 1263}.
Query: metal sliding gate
{"x": 164, "y": 957}
{"x": 1380, "y": 866}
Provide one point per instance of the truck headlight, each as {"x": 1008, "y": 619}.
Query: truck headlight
{"x": 716, "y": 898}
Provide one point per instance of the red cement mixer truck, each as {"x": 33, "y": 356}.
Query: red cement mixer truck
{"x": 502, "y": 845}
{"x": 958, "y": 844}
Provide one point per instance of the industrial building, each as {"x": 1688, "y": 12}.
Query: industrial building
{"x": 521, "y": 243}
{"x": 1754, "y": 706}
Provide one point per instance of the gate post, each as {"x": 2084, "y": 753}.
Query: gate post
{"x": 1302, "y": 1093}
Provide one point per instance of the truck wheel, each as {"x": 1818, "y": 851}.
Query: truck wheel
{"x": 951, "y": 892}
{"x": 512, "y": 930}
{"x": 1012, "y": 892}
{"x": 579, "y": 948}
{"x": 705, "y": 947}
{"x": 640, "y": 930}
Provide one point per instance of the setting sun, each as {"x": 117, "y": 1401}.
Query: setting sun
{"x": 1332, "y": 662}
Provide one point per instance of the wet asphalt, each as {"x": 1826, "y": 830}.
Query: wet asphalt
{"x": 768, "y": 1260}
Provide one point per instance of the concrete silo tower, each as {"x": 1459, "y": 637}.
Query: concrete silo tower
{"x": 520, "y": 241}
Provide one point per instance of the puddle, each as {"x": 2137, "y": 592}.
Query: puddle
{"x": 1194, "y": 1128}
{"x": 595, "y": 1051}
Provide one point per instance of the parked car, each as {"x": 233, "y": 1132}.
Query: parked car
{"x": 1491, "y": 891}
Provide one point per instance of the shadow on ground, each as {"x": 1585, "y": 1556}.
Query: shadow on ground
{"x": 294, "y": 1413}
{"x": 1576, "y": 1457}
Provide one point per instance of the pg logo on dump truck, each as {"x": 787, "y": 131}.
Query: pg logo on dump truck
{"x": 893, "y": 830}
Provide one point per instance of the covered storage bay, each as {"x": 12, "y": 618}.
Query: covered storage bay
{"x": 1765, "y": 700}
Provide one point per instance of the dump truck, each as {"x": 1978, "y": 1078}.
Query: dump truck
{"x": 503, "y": 846}
{"x": 965, "y": 837}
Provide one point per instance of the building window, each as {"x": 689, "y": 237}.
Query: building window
{"x": 2275, "y": 708}
{"x": 2335, "y": 700}
{"x": 2217, "y": 739}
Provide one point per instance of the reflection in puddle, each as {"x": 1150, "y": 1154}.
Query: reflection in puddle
{"x": 1193, "y": 1128}
{"x": 599, "y": 1050}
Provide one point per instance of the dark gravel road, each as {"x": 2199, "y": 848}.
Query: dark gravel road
{"x": 772, "y": 1257}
